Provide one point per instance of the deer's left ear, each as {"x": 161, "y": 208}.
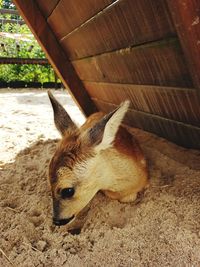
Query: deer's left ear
{"x": 62, "y": 120}
{"x": 103, "y": 133}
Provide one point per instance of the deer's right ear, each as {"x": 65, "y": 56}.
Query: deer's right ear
{"x": 103, "y": 133}
{"x": 62, "y": 120}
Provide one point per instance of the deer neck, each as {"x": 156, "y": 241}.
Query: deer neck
{"x": 101, "y": 173}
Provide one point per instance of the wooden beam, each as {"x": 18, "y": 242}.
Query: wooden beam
{"x": 14, "y": 60}
{"x": 186, "y": 17}
{"x": 47, "y": 7}
{"x": 46, "y": 38}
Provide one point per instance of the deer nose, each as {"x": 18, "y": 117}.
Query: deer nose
{"x": 60, "y": 222}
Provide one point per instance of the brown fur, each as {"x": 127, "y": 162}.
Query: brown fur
{"x": 69, "y": 148}
{"x": 88, "y": 165}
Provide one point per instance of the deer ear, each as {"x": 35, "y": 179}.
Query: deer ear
{"x": 103, "y": 133}
{"x": 62, "y": 120}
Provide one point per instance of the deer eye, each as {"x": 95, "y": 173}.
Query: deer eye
{"x": 67, "y": 192}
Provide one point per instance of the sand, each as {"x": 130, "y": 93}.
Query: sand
{"x": 161, "y": 230}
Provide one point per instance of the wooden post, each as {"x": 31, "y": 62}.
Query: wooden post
{"x": 186, "y": 17}
{"x": 55, "y": 54}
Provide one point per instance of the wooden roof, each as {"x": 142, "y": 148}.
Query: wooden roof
{"x": 105, "y": 51}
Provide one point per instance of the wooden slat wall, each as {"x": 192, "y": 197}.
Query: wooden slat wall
{"x": 186, "y": 16}
{"x": 47, "y": 7}
{"x": 157, "y": 63}
{"x": 68, "y": 15}
{"x": 136, "y": 49}
{"x": 125, "y": 23}
{"x": 184, "y": 134}
{"x": 170, "y": 102}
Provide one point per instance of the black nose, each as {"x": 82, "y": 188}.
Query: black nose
{"x": 60, "y": 222}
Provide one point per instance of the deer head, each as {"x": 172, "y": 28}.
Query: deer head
{"x": 75, "y": 169}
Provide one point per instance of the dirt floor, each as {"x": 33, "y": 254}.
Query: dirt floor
{"x": 162, "y": 230}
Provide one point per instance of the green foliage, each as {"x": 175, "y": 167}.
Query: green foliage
{"x": 8, "y": 4}
{"x": 25, "y": 47}
{"x": 27, "y": 73}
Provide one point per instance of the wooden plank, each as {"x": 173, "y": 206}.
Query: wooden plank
{"x": 37, "y": 23}
{"x": 70, "y": 14}
{"x": 123, "y": 24}
{"x": 8, "y": 11}
{"x": 186, "y": 16}
{"x": 47, "y": 7}
{"x": 180, "y": 133}
{"x": 180, "y": 104}
{"x": 14, "y": 60}
{"x": 159, "y": 63}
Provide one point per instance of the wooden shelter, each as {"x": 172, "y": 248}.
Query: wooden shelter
{"x": 106, "y": 51}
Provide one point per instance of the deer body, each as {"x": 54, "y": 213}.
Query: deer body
{"x": 100, "y": 155}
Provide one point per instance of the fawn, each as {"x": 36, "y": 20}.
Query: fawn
{"x": 100, "y": 155}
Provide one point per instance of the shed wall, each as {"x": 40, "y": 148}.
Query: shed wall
{"x": 132, "y": 49}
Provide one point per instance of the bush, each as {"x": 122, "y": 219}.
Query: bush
{"x": 25, "y": 47}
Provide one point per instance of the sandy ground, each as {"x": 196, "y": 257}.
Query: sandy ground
{"x": 162, "y": 230}
{"x": 26, "y": 116}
